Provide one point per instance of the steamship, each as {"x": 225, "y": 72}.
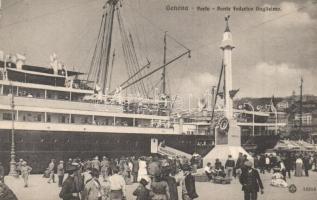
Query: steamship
{"x": 53, "y": 112}
{"x": 51, "y": 120}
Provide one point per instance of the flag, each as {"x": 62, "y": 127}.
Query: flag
{"x": 233, "y": 93}
{"x": 20, "y": 57}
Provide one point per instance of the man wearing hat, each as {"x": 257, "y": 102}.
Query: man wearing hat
{"x": 105, "y": 167}
{"x": 25, "y": 172}
{"x": 251, "y": 182}
{"x": 69, "y": 190}
{"x": 60, "y": 173}
{"x": 96, "y": 163}
{"x": 19, "y": 165}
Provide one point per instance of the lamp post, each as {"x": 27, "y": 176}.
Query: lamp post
{"x": 13, "y": 171}
{"x": 249, "y": 104}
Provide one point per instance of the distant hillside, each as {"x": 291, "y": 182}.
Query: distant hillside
{"x": 309, "y": 102}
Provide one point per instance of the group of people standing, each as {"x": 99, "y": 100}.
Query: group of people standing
{"x": 158, "y": 182}
{"x": 230, "y": 169}
{"x": 50, "y": 172}
{"x": 106, "y": 179}
{"x": 300, "y": 163}
{"x": 242, "y": 169}
{"x": 23, "y": 170}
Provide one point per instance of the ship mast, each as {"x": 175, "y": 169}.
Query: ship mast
{"x": 100, "y": 69}
{"x": 109, "y": 22}
{"x": 164, "y": 68}
{"x": 112, "y": 64}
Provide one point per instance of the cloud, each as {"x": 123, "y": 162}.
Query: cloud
{"x": 271, "y": 69}
{"x": 280, "y": 79}
{"x": 291, "y": 14}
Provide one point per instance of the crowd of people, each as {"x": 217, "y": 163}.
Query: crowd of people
{"x": 230, "y": 169}
{"x": 106, "y": 179}
{"x": 300, "y": 163}
{"x": 280, "y": 164}
{"x": 158, "y": 178}
{"x": 284, "y": 164}
{"x": 242, "y": 169}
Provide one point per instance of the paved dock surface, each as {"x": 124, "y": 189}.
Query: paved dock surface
{"x": 39, "y": 189}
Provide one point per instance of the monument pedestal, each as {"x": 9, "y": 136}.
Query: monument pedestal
{"x": 222, "y": 151}
{"x": 227, "y": 143}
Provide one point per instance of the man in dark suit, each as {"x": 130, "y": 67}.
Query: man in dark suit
{"x": 288, "y": 166}
{"x": 306, "y": 164}
{"x": 69, "y": 190}
{"x": 251, "y": 182}
{"x": 171, "y": 182}
{"x": 135, "y": 169}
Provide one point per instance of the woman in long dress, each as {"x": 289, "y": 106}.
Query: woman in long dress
{"x": 299, "y": 167}
{"x": 142, "y": 173}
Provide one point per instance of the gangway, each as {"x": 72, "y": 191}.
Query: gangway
{"x": 164, "y": 150}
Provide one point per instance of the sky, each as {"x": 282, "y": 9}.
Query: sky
{"x": 272, "y": 49}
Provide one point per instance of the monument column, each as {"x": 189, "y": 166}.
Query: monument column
{"x": 227, "y": 132}
{"x": 227, "y": 46}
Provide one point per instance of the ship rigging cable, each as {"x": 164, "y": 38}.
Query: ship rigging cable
{"x": 130, "y": 57}
{"x": 157, "y": 69}
{"x": 99, "y": 69}
{"x": 136, "y": 11}
{"x": 217, "y": 92}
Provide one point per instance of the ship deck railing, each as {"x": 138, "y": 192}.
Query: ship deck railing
{"x": 31, "y": 101}
{"x": 155, "y": 125}
{"x": 80, "y": 128}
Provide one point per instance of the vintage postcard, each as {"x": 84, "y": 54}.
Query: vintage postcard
{"x": 158, "y": 99}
